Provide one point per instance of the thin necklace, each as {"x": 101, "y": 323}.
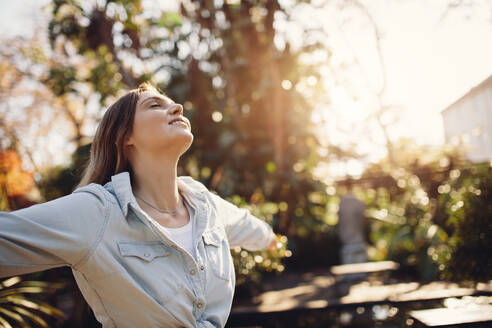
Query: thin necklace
{"x": 172, "y": 212}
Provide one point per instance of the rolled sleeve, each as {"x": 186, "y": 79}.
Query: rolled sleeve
{"x": 61, "y": 232}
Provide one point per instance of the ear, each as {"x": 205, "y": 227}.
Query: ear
{"x": 129, "y": 141}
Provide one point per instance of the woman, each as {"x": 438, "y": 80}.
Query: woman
{"x": 146, "y": 247}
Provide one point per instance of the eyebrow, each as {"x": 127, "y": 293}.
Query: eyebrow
{"x": 154, "y": 98}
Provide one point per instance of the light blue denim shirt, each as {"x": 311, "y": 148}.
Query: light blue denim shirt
{"x": 130, "y": 272}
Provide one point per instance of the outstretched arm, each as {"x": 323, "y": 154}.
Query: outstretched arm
{"x": 242, "y": 228}
{"x": 61, "y": 232}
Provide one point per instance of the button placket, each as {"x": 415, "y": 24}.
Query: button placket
{"x": 199, "y": 306}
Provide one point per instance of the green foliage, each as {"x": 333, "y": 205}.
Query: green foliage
{"x": 402, "y": 229}
{"x": 466, "y": 198}
{"x": 249, "y": 265}
{"x": 252, "y": 125}
{"x": 104, "y": 75}
{"x": 170, "y": 20}
{"x": 19, "y": 310}
{"x": 66, "y": 14}
{"x": 432, "y": 214}
{"x": 61, "y": 79}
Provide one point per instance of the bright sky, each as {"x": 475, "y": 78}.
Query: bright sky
{"x": 429, "y": 63}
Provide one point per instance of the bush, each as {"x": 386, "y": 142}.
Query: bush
{"x": 401, "y": 227}
{"x": 251, "y": 266}
{"x": 466, "y": 200}
{"x": 434, "y": 234}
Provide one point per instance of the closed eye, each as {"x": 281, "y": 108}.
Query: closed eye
{"x": 155, "y": 105}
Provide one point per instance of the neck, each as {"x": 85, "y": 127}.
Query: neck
{"x": 155, "y": 180}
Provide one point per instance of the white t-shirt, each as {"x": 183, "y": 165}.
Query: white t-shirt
{"x": 183, "y": 236}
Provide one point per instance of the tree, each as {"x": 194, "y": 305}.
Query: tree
{"x": 32, "y": 115}
{"x": 251, "y": 97}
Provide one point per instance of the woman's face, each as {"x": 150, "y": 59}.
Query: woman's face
{"x": 159, "y": 125}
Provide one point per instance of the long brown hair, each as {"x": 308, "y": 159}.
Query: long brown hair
{"x": 108, "y": 156}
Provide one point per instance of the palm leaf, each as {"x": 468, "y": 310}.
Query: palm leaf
{"x": 4, "y": 323}
{"x": 40, "y": 306}
{"x": 44, "y": 284}
{"x": 35, "y": 318}
{"x": 15, "y": 316}
{"x": 21, "y": 290}
{"x": 9, "y": 282}
{"x": 14, "y": 306}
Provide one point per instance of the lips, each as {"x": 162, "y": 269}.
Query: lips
{"x": 179, "y": 119}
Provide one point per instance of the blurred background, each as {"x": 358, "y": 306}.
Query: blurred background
{"x": 360, "y": 130}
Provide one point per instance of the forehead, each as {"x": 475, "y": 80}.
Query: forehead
{"x": 144, "y": 96}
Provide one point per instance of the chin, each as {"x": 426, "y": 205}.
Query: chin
{"x": 186, "y": 141}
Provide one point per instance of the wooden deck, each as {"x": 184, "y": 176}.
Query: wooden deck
{"x": 451, "y": 317}
{"x": 367, "y": 267}
{"x": 319, "y": 293}
{"x": 320, "y": 290}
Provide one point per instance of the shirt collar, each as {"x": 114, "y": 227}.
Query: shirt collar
{"x": 122, "y": 187}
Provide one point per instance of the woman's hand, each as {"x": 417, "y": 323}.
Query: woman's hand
{"x": 273, "y": 246}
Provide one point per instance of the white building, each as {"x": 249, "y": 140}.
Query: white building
{"x": 468, "y": 121}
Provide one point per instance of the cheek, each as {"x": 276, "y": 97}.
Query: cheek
{"x": 146, "y": 129}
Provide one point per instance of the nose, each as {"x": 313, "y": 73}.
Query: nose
{"x": 177, "y": 110}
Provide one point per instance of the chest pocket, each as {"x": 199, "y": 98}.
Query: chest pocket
{"x": 218, "y": 253}
{"x": 146, "y": 251}
{"x": 149, "y": 265}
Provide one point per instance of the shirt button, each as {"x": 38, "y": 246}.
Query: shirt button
{"x": 202, "y": 267}
{"x": 199, "y": 305}
{"x": 192, "y": 271}
{"x": 146, "y": 254}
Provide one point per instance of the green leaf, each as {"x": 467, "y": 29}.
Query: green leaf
{"x": 10, "y": 282}
{"x": 15, "y": 316}
{"x": 4, "y": 323}
{"x": 170, "y": 20}
{"x": 20, "y": 300}
{"x": 21, "y": 290}
{"x": 37, "y": 319}
{"x": 40, "y": 306}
